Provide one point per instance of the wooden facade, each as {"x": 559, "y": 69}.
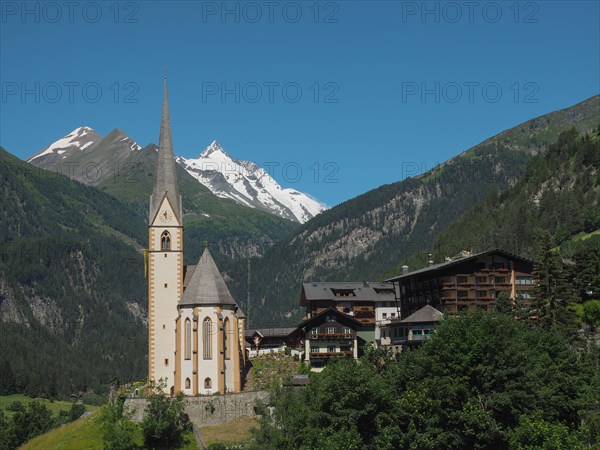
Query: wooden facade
{"x": 356, "y": 299}
{"x": 330, "y": 334}
{"x": 467, "y": 282}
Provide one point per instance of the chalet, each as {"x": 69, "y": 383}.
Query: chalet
{"x": 369, "y": 303}
{"x": 274, "y": 340}
{"x": 464, "y": 282}
{"x": 331, "y": 334}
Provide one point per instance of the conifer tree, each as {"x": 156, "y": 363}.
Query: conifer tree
{"x": 504, "y": 305}
{"x": 553, "y": 291}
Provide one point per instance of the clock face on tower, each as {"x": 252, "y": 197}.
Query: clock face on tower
{"x": 165, "y": 216}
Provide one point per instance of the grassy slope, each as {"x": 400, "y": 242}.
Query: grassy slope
{"x": 85, "y": 434}
{"x": 233, "y": 432}
{"x": 53, "y": 405}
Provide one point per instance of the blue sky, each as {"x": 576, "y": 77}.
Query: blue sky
{"x": 336, "y": 98}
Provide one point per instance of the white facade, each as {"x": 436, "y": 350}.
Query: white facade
{"x": 384, "y": 312}
{"x": 211, "y": 363}
{"x": 164, "y": 292}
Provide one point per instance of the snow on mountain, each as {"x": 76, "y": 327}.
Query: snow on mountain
{"x": 90, "y": 158}
{"x": 249, "y": 184}
{"x": 77, "y": 140}
{"x": 134, "y": 146}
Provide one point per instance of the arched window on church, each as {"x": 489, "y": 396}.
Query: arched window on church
{"x": 226, "y": 332}
{"x": 188, "y": 339}
{"x": 207, "y": 383}
{"x": 207, "y": 338}
{"x": 165, "y": 241}
{"x": 187, "y": 383}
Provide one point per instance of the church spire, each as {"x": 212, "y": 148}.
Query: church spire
{"x": 166, "y": 178}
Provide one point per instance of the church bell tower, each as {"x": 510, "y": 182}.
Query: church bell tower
{"x": 165, "y": 259}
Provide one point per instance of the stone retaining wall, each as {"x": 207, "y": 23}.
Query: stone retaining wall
{"x": 209, "y": 410}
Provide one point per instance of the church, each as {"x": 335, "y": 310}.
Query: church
{"x": 195, "y": 328}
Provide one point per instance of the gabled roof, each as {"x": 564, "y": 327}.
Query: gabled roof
{"x": 166, "y": 178}
{"x": 459, "y": 260}
{"x": 426, "y": 314}
{"x": 271, "y": 332}
{"x": 344, "y": 317}
{"x": 363, "y": 291}
{"x": 206, "y": 285}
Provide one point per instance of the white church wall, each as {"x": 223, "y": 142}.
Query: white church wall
{"x": 208, "y": 368}
{"x": 187, "y": 365}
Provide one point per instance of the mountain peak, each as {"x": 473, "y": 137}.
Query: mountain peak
{"x": 77, "y": 140}
{"x": 213, "y": 148}
{"x": 248, "y": 184}
{"x": 78, "y": 132}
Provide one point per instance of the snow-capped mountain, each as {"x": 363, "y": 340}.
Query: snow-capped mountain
{"x": 90, "y": 158}
{"x": 249, "y": 184}
{"x": 76, "y": 141}
{"x": 86, "y": 156}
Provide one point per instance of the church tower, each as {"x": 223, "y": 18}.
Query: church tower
{"x": 195, "y": 328}
{"x": 165, "y": 259}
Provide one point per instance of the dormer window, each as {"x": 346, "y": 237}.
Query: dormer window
{"x": 165, "y": 241}
{"x": 343, "y": 292}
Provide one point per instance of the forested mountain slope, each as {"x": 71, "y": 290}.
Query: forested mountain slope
{"x": 560, "y": 192}
{"x": 366, "y": 236}
{"x": 72, "y": 288}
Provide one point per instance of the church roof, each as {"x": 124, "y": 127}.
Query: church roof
{"x": 188, "y": 271}
{"x": 166, "y": 178}
{"x": 206, "y": 285}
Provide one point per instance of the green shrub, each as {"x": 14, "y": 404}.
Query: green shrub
{"x": 165, "y": 420}
{"x": 92, "y": 398}
{"x": 15, "y": 406}
{"x": 77, "y": 409}
{"x": 591, "y": 313}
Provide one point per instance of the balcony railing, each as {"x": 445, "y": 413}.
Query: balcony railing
{"x": 329, "y": 354}
{"x": 419, "y": 337}
{"x": 332, "y": 336}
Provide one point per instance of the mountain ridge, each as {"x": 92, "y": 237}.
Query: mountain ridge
{"x": 92, "y": 159}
